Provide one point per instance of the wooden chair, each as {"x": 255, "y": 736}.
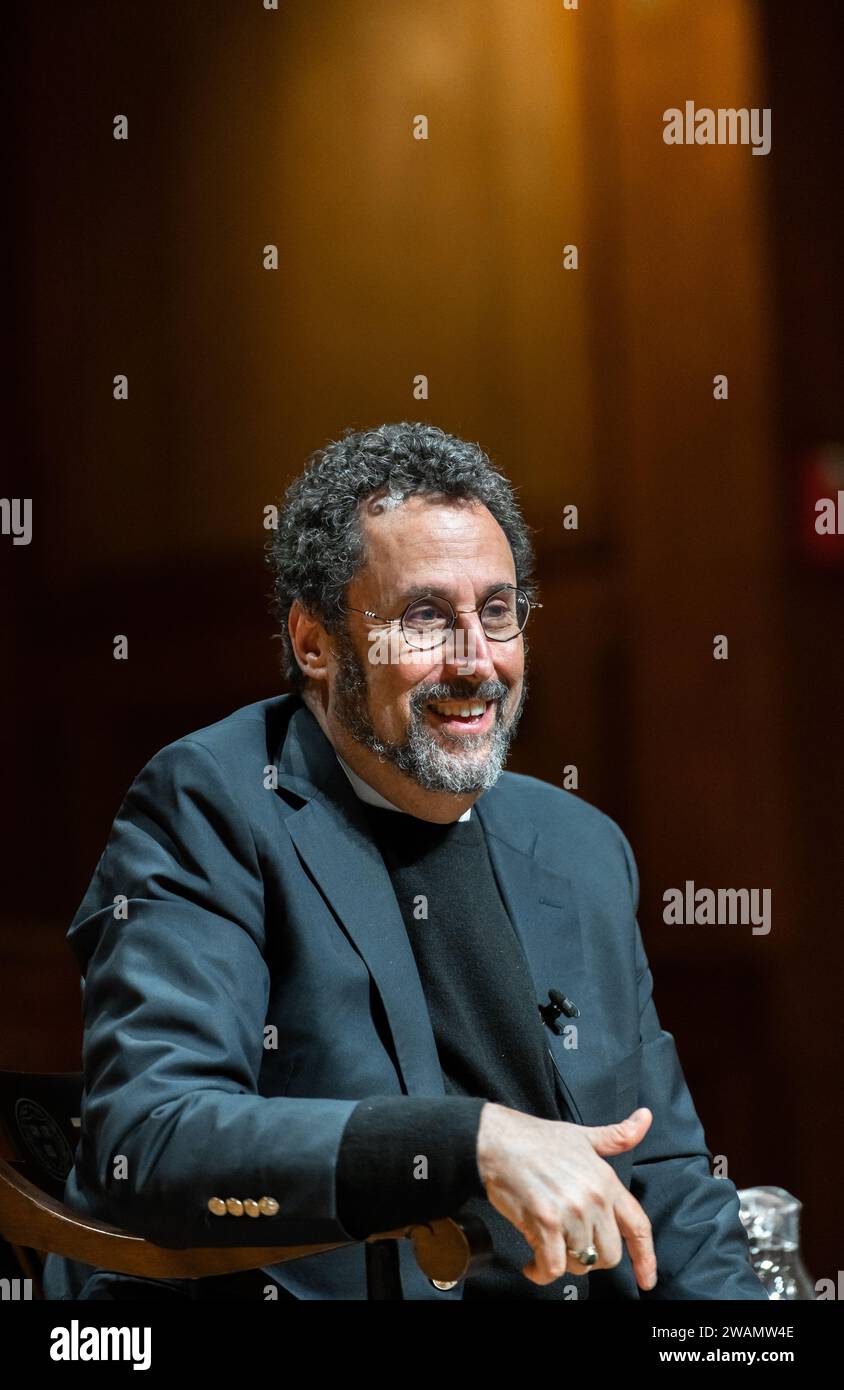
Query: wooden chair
{"x": 39, "y": 1128}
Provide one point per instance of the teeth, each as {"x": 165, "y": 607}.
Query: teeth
{"x": 464, "y": 709}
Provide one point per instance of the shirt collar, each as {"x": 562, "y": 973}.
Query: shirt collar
{"x": 369, "y": 794}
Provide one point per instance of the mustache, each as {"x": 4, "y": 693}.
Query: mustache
{"x": 488, "y": 690}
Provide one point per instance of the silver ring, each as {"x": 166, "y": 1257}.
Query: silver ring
{"x": 589, "y": 1256}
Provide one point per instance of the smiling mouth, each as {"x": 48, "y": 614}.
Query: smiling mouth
{"x": 463, "y": 715}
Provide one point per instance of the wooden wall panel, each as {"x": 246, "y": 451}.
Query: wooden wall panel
{"x": 700, "y": 501}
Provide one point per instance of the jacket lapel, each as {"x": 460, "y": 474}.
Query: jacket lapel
{"x": 331, "y": 835}
{"x": 542, "y": 908}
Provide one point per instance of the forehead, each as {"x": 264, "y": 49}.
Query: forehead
{"x": 434, "y": 539}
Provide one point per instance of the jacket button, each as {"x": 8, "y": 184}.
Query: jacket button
{"x": 217, "y": 1206}
{"x": 234, "y": 1206}
{"x": 445, "y": 1283}
{"x": 268, "y": 1206}
{"x": 250, "y": 1206}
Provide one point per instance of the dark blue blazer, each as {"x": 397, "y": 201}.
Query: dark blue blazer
{"x": 260, "y": 982}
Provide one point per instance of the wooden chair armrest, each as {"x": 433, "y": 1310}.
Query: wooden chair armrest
{"x": 32, "y": 1219}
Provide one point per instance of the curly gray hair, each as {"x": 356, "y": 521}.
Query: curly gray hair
{"x": 318, "y": 546}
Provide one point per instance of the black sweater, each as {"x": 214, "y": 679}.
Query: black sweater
{"x": 490, "y": 1041}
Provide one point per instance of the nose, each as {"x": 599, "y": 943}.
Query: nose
{"x": 469, "y": 651}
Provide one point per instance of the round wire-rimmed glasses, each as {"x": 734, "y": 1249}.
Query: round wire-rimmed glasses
{"x": 427, "y": 621}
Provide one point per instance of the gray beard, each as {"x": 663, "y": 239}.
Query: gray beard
{"x": 420, "y": 756}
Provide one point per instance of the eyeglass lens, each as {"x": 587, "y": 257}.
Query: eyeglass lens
{"x": 503, "y": 616}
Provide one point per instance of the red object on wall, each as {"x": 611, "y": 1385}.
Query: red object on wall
{"x": 821, "y": 476}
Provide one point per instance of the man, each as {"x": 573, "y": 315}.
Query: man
{"x": 342, "y": 973}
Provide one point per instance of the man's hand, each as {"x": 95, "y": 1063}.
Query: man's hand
{"x": 547, "y": 1179}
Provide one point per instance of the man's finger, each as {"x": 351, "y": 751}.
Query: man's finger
{"x": 617, "y": 1138}
{"x": 638, "y": 1235}
{"x": 549, "y": 1254}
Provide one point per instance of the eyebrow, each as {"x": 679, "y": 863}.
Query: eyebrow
{"x": 423, "y": 590}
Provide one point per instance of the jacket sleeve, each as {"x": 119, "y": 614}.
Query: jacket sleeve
{"x": 378, "y": 1186}
{"x": 170, "y": 938}
{"x": 700, "y": 1243}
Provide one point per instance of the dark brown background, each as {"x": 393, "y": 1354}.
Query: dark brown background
{"x": 595, "y": 387}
